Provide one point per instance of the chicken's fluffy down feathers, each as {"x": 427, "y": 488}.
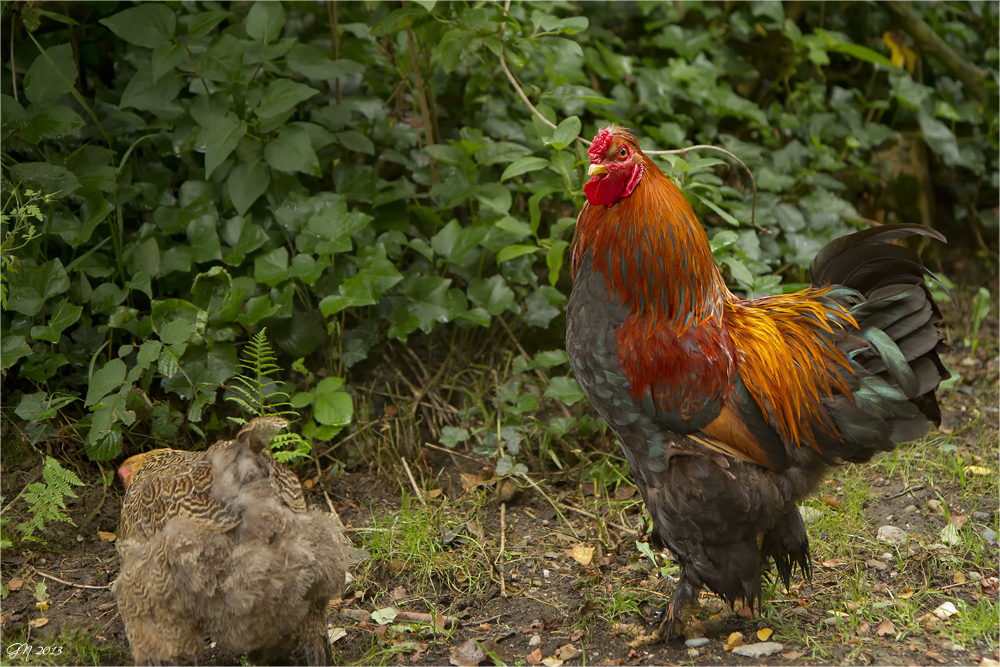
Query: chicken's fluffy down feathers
{"x": 219, "y": 543}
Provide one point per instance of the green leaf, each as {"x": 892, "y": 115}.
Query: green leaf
{"x": 51, "y": 123}
{"x": 264, "y": 21}
{"x": 450, "y": 48}
{"x": 224, "y": 133}
{"x": 524, "y": 165}
{"x": 108, "y": 379}
{"x": 12, "y": 348}
{"x": 835, "y": 43}
{"x": 451, "y": 436}
{"x": 565, "y": 133}
{"x": 146, "y": 93}
{"x": 333, "y": 406}
{"x": 149, "y": 25}
{"x": 48, "y": 178}
{"x": 203, "y": 236}
{"x": 202, "y": 23}
{"x": 292, "y": 151}
{"x": 357, "y": 142}
{"x": 494, "y": 196}
{"x": 247, "y": 182}
{"x": 165, "y": 58}
{"x": 271, "y": 268}
{"x": 30, "y": 287}
{"x": 940, "y": 138}
{"x": 512, "y": 251}
{"x": 64, "y": 315}
{"x": 492, "y": 295}
{"x": 312, "y": 63}
{"x": 554, "y": 259}
{"x": 282, "y": 95}
{"x": 44, "y": 84}
{"x": 566, "y": 389}
{"x": 504, "y": 151}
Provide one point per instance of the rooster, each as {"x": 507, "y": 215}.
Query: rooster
{"x": 729, "y": 410}
{"x": 219, "y": 543}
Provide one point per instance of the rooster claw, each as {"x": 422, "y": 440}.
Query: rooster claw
{"x": 663, "y": 632}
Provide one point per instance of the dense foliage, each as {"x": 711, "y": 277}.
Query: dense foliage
{"x": 354, "y": 173}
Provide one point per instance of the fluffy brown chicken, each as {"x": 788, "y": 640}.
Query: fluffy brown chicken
{"x": 730, "y": 410}
{"x": 219, "y": 544}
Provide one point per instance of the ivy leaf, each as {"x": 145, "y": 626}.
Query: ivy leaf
{"x": 51, "y": 123}
{"x": 566, "y": 389}
{"x": 34, "y": 284}
{"x": 108, "y": 379}
{"x": 281, "y": 95}
{"x": 491, "y": 294}
{"x": 12, "y": 348}
{"x": 49, "y": 178}
{"x": 224, "y": 133}
{"x": 271, "y": 268}
{"x": 247, "y": 182}
{"x": 64, "y": 315}
{"x": 332, "y": 406}
{"x": 146, "y": 93}
{"x": 44, "y": 84}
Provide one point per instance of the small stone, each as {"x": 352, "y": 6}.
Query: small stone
{"x": 568, "y": 652}
{"x": 892, "y": 535}
{"x": 810, "y": 514}
{"x": 534, "y": 641}
{"x": 989, "y": 534}
{"x": 981, "y": 516}
{"x": 693, "y": 653}
{"x": 909, "y": 509}
{"x": 831, "y": 621}
{"x": 877, "y": 565}
{"x": 758, "y": 650}
{"x": 546, "y": 573}
{"x": 697, "y": 642}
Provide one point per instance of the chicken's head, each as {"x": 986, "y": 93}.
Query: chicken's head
{"x": 615, "y": 167}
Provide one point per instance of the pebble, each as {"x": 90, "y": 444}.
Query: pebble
{"x": 989, "y": 534}
{"x": 981, "y": 516}
{"x": 546, "y": 573}
{"x": 693, "y": 653}
{"x": 892, "y": 535}
{"x": 534, "y": 641}
{"x": 810, "y": 514}
{"x": 697, "y": 642}
{"x": 758, "y": 650}
{"x": 909, "y": 509}
{"x": 831, "y": 621}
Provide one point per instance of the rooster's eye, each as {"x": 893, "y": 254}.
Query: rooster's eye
{"x": 623, "y": 153}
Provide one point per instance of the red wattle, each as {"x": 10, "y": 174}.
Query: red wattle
{"x": 604, "y": 190}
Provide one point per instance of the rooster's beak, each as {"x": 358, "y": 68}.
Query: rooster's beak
{"x": 596, "y": 169}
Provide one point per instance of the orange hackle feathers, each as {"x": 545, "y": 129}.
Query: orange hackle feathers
{"x": 688, "y": 336}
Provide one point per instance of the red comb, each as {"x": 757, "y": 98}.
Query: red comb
{"x": 599, "y": 148}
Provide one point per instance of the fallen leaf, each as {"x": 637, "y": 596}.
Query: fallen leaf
{"x": 434, "y": 493}
{"x": 382, "y": 632}
{"x": 568, "y": 652}
{"x": 959, "y": 578}
{"x": 885, "y": 628}
{"x": 334, "y": 634}
{"x": 534, "y": 657}
{"x": 15, "y": 584}
{"x": 876, "y": 564}
{"x": 398, "y": 593}
{"x": 988, "y": 662}
{"x": 385, "y": 615}
{"x": 467, "y": 655}
{"x": 624, "y": 492}
{"x": 935, "y": 506}
{"x": 475, "y": 529}
{"x": 791, "y": 655}
{"x": 945, "y": 609}
{"x": 42, "y": 606}
{"x": 552, "y": 662}
{"x": 906, "y": 593}
{"x": 470, "y": 481}
{"x": 734, "y": 640}
{"x": 957, "y": 520}
{"x": 990, "y": 585}
{"x": 977, "y": 470}
{"x": 106, "y": 536}
{"x": 832, "y": 501}
{"x": 833, "y": 562}
{"x": 764, "y": 634}
{"x": 935, "y": 656}
{"x": 38, "y": 622}
{"x": 583, "y": 555}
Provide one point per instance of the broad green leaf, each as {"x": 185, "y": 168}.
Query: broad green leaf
{"x": 108, "y": 379}
{"x": 149, "y": 25}
{"x": 224, "y": 133}
{"x": 145, "y": 93}
{"x": 264, "y": 21}
{"x": 51, "y": 123}
{"x": 554, "y": 259}
{"x": 940, "y": 138}
{"x": 202, "y": 23}
{"x": 451, "y": 436}
{"x": 357, "y": 142}
{"x": 32, "y": 285}
{"x": 247, "y": 182}
{"x": 292, "y": 151}
{"x": 837, "y": 43}
{"x": 43, "y": 85}
{"x": 12, "y": 114}
{"x": 494, "y": 196}
{"x": 503, "y": 151}
{"x": 12, "y": 348}
{"x": 47, "y": 178}
{"x": 282, "y": 95}
{"x": 165, "y": 58}
{"x": 564, "y": 388}
{"x": 565, "y": 133}
{"x": 450, "y": 48}
{"x": 492, "y": 294}
{"x": 64, "y": 315}
{"x": 315, "y": 64}
{"x": 523, "y": 166}
{"x": 271, "y": 268}
{"x": 203, "y": 236}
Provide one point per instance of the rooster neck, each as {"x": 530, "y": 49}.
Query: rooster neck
{"x": 654, "y": 254}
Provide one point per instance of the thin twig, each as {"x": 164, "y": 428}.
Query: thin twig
{"x": 331, "y": 10}
{"x": 550, "y": 502}
{"x": 918, "y": 487}
{"x": 413, "y": 482}
{"x": 69, "y": 583}
{"x": 585, "y": 513}
{"x": 449, "y": 451}
{"x": 503, "y": 545}
{"x": 329, "y": 503}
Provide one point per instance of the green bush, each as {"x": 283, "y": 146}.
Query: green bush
{"x": 210, "y": 172}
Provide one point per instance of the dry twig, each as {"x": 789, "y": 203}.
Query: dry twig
{"x": 69, "y": 583}
{"x": 413, "y": 482}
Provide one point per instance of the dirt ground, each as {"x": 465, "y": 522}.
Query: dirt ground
{"x": 571, "y": 586}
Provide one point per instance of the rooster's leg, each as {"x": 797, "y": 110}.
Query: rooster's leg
{"x": 684, "y": 596}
